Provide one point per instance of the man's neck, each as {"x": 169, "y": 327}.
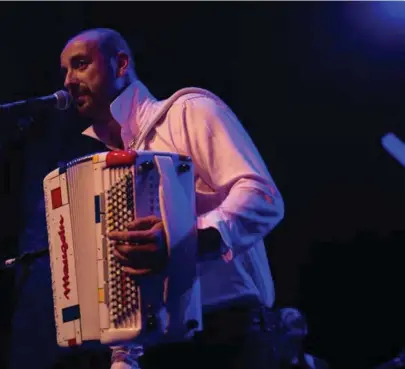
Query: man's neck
{"x": 109, "y": 131}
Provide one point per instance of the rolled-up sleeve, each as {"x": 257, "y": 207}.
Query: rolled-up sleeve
{"x": 227, "y": 160}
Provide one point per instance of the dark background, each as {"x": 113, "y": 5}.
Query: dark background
{"x": 315, "y": 84}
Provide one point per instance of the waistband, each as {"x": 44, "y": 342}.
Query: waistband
{"x": 261, "y": 316}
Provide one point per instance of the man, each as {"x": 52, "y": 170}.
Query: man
{"x": 293, "y": 331}
{"x": 236, "y": 198}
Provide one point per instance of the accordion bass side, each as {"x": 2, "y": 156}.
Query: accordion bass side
{"x": 94, "y": 299}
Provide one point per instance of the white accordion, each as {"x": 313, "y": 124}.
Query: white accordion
{"x": 94, "y": 299}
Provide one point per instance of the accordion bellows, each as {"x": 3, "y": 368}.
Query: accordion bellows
{"x": 94, "y": 299}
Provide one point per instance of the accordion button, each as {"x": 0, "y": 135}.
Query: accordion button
{"x": 183, "y": 168}
{"x": 147, "y": 165}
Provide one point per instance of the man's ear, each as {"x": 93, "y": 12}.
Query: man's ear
{"x": 122, "y": 63}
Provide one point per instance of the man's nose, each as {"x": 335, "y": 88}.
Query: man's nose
{"x": 70, "y": 80}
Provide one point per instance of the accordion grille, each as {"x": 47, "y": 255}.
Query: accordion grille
{"x": 123, "y": 291}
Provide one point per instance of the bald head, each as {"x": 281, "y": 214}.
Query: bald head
{"x": 109, "y": 41}
{"x": 98, "y": 65}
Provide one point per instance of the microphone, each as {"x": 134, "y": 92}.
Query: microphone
{"x": 24, "y": 258}
{"x": 60, "y": 100}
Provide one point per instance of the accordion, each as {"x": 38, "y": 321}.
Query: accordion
{"x": 94, "y": 299}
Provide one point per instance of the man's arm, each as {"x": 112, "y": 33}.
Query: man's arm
{"x": 228, "y": 161}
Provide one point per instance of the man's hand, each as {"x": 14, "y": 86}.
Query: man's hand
{"x": 142, "y": 249}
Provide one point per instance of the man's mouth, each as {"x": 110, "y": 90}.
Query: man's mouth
{"x": 80, "y": 100}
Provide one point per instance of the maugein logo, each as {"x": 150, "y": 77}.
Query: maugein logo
{"x": 64, "y": 246}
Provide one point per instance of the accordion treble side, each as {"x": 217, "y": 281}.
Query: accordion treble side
{"x": 94, "y": 298}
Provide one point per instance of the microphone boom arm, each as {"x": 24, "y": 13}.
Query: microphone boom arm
{"x": 25, "y": 258}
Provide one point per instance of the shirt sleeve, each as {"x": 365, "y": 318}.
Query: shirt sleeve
{"x": 227, "y": 160}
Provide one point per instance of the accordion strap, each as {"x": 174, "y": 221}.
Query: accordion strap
{"x": 136, "y": 143}
{"x": 180, "y": 226}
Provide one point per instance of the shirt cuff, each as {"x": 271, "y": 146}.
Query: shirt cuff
{"x": 216, "y": 219}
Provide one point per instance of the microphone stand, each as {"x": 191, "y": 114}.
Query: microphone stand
{"x": 24, "y": 259}
{"x": 14, "y": 130}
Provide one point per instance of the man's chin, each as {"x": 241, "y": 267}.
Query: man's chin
{"x": 88, "y": 109}
{"x": 84, "y": 109}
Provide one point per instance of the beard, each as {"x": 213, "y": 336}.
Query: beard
{"x": 93, "y": 111}
{"x": 93, "y": 103}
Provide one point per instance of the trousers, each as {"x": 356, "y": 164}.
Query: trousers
{"x": 233, "y": 338}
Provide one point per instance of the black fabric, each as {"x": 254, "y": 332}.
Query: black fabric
{"x": 209, "y": 242}
{"x": 230, "y": 340}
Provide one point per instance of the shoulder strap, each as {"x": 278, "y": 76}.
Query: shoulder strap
{"x": 137, "y": 141}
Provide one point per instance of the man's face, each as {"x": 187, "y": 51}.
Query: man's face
{"x": 89, "y": 77}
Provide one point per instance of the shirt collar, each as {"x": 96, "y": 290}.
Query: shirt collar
{"x": 131, "y": 109}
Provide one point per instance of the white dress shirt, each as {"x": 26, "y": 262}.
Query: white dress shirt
{"x": 235, "y": 192}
